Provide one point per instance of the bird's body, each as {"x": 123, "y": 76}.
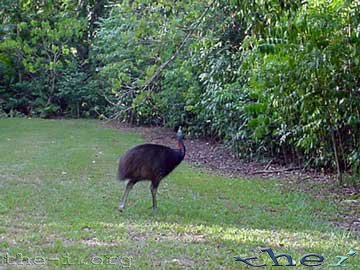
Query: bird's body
{"x": 150, "y": 162}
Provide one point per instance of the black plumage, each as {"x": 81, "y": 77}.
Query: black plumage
{"x": 151, "y": 162}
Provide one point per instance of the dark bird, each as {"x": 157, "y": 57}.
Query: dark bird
{"x": 151, "y": 162}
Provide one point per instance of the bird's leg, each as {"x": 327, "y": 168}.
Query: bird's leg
{"x": 153, "y": 189}
{"x": 122, "y": 204}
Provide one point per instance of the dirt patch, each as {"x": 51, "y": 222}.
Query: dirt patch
{"x": 183, "y": 262}
{"x": 183, "y": 237}
{"x": 218, "y": 159}
{"x": 94, "y": 242}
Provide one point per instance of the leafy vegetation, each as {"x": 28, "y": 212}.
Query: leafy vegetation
{"x": 44, "y": 69}
{"x": 274, "y": 79}
{"x": 58, "y": 205}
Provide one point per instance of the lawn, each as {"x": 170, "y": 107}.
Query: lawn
{"x": 59, "y": 198}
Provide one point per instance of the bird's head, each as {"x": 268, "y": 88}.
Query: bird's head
{"x": 180, "y": 134}
{"x": 180, "y": 137}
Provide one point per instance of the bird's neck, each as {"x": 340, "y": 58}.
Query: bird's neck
{"x": 181, "y": 147}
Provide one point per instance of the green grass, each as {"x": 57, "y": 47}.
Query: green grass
{"x": 58, "y": 201}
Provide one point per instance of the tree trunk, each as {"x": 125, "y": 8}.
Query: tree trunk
{"x": 339, "y": 173}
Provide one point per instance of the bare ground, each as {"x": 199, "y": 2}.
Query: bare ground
{"x": 218, "y": 159}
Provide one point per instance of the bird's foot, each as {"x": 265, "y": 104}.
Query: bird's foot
{"x": 153, "y": 208}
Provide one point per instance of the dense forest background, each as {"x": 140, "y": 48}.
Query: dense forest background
{"x": 274, "y": 79}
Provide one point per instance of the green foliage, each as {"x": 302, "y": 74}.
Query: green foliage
{"x": 40, "y": 51}
{"x": 131, "y": 44}
{"x": 309, "y": 83}
{"x": 272, "y": 78}
{"x": 276, "y": 78}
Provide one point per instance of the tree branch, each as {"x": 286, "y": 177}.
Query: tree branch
{"x": 175, "y": 54}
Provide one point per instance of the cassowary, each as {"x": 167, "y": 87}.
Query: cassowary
{"x": 151, "y": 162}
